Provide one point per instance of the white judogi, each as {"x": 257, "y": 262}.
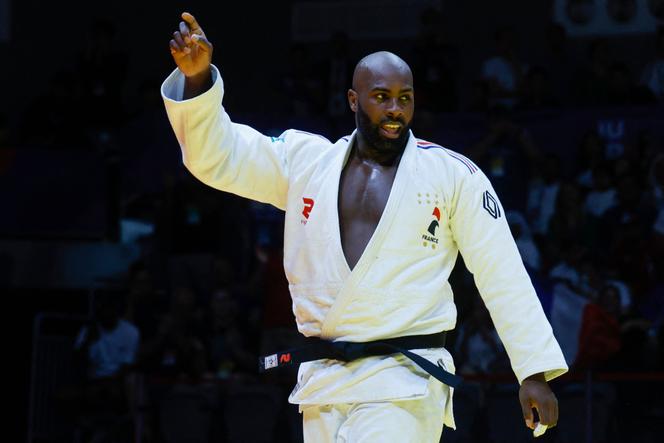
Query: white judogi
{"x": 440, "y": 203}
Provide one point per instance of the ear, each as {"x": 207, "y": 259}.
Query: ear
{"x": 352, "y": 100}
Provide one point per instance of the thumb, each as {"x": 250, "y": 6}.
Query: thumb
{"x": 202, "y": 42}
{"x": 527, "y": 410}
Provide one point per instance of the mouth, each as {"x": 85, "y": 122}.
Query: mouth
{"x": 391, "y": 129}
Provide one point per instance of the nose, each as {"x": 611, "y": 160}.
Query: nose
{"x": 394, "y": 108}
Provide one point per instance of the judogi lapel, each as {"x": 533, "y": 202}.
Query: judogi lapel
{"x": 349, "y": 288}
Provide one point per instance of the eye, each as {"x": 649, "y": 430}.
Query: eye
{"x": 405, "y": 98}
{"x": 380, "y": 97}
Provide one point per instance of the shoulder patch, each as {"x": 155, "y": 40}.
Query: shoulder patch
{"x": 491, "y": 205}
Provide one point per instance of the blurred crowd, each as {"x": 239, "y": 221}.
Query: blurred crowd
{"x": 209, "y": 295}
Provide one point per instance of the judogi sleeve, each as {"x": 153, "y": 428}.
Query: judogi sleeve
{"x": 484, "y": 239}
{"x": 225, "y": 155}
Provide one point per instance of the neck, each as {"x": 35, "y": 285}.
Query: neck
{"x": 365, "y": 151}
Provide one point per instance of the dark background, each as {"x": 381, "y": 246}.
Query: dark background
{"x": 75, "y": 162}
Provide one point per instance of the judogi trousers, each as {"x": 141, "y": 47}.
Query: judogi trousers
{"x": 417, "y": 421}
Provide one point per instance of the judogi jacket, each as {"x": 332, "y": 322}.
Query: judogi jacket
{"x": 440, "y": 203}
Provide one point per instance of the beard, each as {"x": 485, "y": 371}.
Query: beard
{"x": 371, "y": 133}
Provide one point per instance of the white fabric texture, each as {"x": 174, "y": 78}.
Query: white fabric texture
{"x": 399, "y": 286}
{"x": 412, "y": 421}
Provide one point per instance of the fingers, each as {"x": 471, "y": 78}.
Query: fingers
{"x": 202, "y": 42}
{"x": 548, "y": 412}
{"x": 174, "y": 47}
{"x": 184, "y": 32}
{"x": 538, "y": 395}
{"x": 178, "y": 50}
{"x": 527, "y": 410}
{"x": 191, "y": 21}
{"x": 189, "y": 46}
{"x": 180, "y": 45}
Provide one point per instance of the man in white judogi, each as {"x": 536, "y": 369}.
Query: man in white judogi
{"x": 374, "y": 223}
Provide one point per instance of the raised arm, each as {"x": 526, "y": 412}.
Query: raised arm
{"x": 224, "y": 155}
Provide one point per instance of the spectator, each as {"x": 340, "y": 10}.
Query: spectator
{"x": 627, "y": 225}
{"x": 229, "y": 352}
{"x": 603, "y": 195}
{"x": 590, "y": 154}
{"x": 656, "y": 181}
{"x": 504, "y": 71}
{"x": 647, "y": 148}
{"x": 571, "y": 292}
{"x": 569, "y": 222}
{"x": 144, "y": 304}
{"x": 434, "y": 61}
{"x": 543, "y": 194}
{"x": 622, "y": 90}
{"x": 507, "y": 154}
{"x": 524, "y": 240}
{"x": 652, "y": 75}
{"x": 479, "y": 350}
{"x": 108, "y": 344}
{"x": 105, "y": 351}
{"x": 177, "y": 350}
{"x": 537, "y": 93}
{"x": 599, "y": 339}
{"x": 591, "y": 82}
{"x": 638, "y": 337}
{"x": 651, "y": 303}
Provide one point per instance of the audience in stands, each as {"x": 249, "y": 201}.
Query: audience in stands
{"x": 590, "y": 230}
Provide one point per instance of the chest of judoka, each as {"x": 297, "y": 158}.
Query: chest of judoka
{"x": 399, "y": 285}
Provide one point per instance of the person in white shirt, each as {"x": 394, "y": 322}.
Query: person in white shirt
{"x": 504, "y": 72}
{"x": 374, "y": 224}
{"x": 603, "y": 196}
{"x": 109, "y": 342}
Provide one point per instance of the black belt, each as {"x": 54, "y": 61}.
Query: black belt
{"x": 316, "y": 349}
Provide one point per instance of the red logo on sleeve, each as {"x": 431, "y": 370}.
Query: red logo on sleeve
{"x": 308, "y": 206}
